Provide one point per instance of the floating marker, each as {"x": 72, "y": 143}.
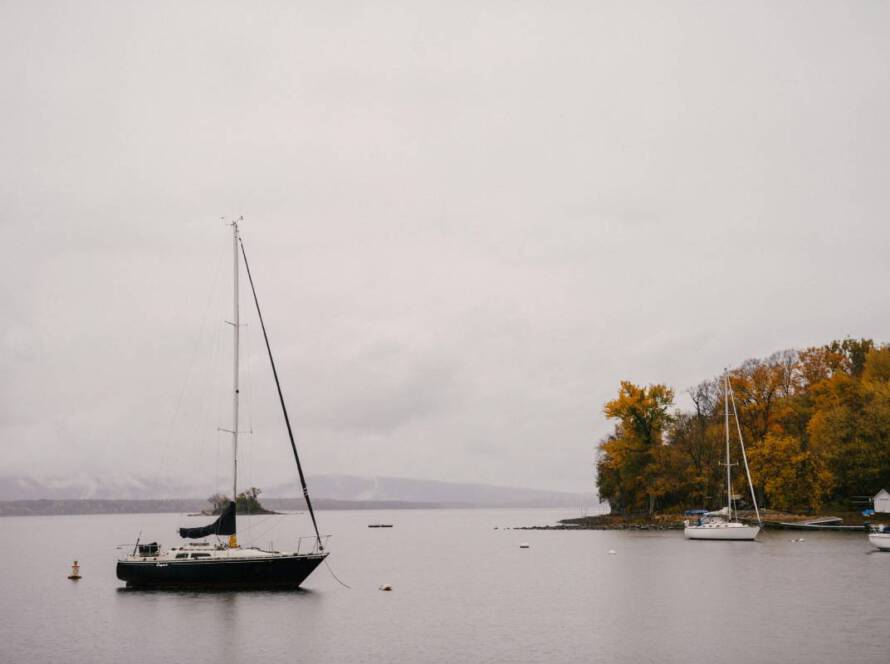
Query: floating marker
{"x": 385, "y": 587}
{"x": 523, "y": 546}
{"x": 613, "y": 552}
{"x": 75, "y": 572}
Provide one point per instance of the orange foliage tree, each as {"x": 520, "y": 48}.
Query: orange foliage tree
{"x": 816, "y": 424}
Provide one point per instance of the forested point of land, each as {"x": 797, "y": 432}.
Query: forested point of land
{"x": 816, "y": 426}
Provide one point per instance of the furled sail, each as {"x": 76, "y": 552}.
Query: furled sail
{"x": 224, "y": 525}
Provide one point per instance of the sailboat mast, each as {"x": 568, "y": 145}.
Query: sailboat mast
{"x": 235, "y": 392}
{"x": 726, "y": 429}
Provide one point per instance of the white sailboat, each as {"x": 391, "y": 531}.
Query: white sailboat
{"x": 721, "y": 525}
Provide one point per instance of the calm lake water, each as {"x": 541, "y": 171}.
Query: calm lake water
{"x": 462, "y": 592}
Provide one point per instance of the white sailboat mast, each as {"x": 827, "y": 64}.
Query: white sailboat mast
{"x": 726, "y": 428}
{"x": 237, "y": 325}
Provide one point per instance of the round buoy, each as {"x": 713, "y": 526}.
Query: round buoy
{"x": 523, "y": 546}
{"x": 612, "y": 552}
{"x": 75, "y": 572}
{"x": 385, "y": 587}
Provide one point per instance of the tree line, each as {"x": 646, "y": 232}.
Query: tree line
{"x": 816, "y": 426}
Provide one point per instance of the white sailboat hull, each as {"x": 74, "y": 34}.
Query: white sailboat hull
{"x": 722, "y": 531}
{"x": 880, "y": 540}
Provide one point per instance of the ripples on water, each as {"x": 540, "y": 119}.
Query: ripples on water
{"x": 462, "y": 592}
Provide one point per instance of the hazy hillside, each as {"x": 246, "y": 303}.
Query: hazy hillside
{"x": 347, "y": 487}
{"x": 323, "y": 488}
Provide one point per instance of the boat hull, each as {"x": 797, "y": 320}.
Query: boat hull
{"x": 880, "y": 540}
{"x": 269, "y": 572}
{"x": 730, "y": 533}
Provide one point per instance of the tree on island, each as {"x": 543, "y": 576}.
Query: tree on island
{"x": 247, "y": 502}
{"x": 218, "y": 502}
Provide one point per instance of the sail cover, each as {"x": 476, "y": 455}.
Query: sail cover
{"x": 224, "y": 525}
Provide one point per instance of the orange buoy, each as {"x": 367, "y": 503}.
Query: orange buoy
{"x": 75, "y": 572}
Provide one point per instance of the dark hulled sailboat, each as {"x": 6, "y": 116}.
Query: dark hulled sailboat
{"x": 222, "y": 563}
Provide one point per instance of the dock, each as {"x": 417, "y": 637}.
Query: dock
{"x": 832, "y": 523}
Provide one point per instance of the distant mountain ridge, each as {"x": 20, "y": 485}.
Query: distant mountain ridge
{"x": 349, "y": 487}
{"x": 66, "y": 506}
{"x": 346, "y": 488}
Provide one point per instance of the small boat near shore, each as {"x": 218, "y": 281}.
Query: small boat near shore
{"x": 880, "y": 537}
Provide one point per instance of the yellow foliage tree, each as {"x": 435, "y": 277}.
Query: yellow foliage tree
{"x": 791, "y": 477}
{"x": 631, "y": 471}
{"x": 816, "y": 425}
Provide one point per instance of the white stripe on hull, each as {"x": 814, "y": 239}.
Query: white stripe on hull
{"x": 736, "y": 532}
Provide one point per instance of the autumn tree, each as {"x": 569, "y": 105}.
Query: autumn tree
{"x": 699, "y": 438}
{"x": 816, "y": 424}
{"x": 218, "y": 503}
{"x": 248, "y": 502}
{"x": 850, "y": 427}
{"x": 632, "y": 473}
{"x": 791, "y": 477}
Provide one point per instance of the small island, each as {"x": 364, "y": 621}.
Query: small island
{"x": 247, "y": 502}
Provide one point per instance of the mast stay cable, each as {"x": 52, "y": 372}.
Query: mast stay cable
{"x": 744, "y": 455}
{"x": 290, "y": 432}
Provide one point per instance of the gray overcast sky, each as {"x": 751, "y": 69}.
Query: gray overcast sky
{"x": 468, "y": 221}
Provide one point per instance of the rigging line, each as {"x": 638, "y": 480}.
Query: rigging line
{"x": 163, "y": 459}
{"x": 211, "y": 407}
{"x": 249, "y": 468}
{"x": 335, "y": 576}
{"x": 290, "y": 432}
{"x": 216, "y": 479}
{"x": 191, "y": 364}
{"x": 249, "y": 347}
{"x": 257, "y": 536}
{"x": 742, "y": 445}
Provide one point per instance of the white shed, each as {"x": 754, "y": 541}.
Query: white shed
{"x": 882, "y": 501}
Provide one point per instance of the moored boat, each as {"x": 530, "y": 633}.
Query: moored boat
{"x": 724, "y": 524}
{"x": 879, "y": 536}
{"x": 722, "y": 530}
{"x": 205, "y": 565}
{"x": 221, "y": 562}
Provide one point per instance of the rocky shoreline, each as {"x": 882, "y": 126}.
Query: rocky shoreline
{"x": 616, "y": 522}
{"x": 771, "y": 519}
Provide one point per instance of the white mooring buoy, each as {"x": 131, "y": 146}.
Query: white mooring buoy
{"x": 75, "y": 572}
{"x": 613, "y": 552}
{"x": 385, "y": 587}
